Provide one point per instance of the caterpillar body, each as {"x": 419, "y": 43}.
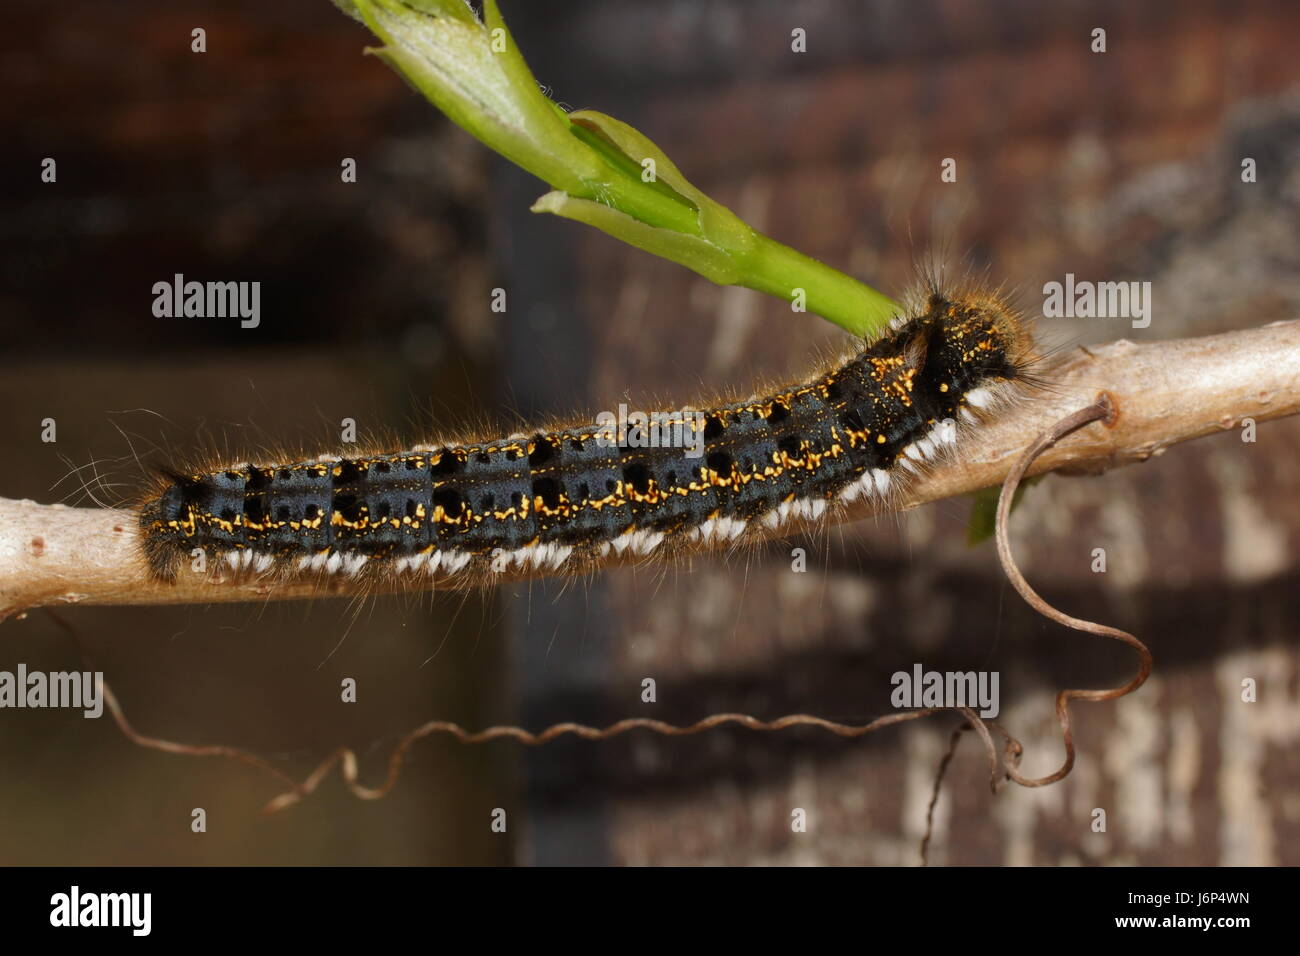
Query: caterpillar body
{"x": 564, "y": 500}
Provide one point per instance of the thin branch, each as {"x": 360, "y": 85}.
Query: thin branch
{"x": 1163, "y": 393}
{"x": 1100, "y": 410}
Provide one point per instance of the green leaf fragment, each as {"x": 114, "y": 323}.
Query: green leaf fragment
{"x": 694, "y": 253}
{"x": 983, "y": 520}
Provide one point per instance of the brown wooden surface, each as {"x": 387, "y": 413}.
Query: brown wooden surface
{"x": 1123, "y": 166}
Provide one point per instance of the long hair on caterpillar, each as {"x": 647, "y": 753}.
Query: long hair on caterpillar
{"x": 573, "y": 497}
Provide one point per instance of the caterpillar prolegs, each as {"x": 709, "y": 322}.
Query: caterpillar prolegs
{"x": 568, "y": 499}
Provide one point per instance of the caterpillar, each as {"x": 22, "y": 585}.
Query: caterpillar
{"x": 568, "y": 499}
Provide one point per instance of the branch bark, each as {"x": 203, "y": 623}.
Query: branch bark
{"x": 1164, "y": 393}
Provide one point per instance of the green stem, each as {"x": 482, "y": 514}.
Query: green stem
{"x": 679, "y": 216}
{"x": 471, "y": 69}
{"x": 779, "y": 270}
{"x": 648, "y": 205}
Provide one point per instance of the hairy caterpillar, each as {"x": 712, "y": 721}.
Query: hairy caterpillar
{"x": 566, "y": 499}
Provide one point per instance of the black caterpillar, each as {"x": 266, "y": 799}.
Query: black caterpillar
{"x": 565, "y": 498}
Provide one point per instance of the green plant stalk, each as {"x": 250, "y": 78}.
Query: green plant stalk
{"x": 778, "y": 270}
{"x": 644, "y": 205}
{"x": 602, "y": 171}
